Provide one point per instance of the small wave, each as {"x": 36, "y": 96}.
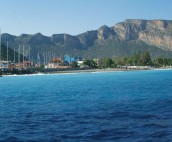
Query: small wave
{"x": 11, "y": 139}
{"x": 144, "y": 116}
{"x": 159, "y": 134}
{"x": 111, "y": 134}
{"x": 15, "y": 75}
{"x": 118, "y": 114}
{"x": 155, "y": 125}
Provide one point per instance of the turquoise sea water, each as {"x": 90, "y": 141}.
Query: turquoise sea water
{"x": 133, "y": 106}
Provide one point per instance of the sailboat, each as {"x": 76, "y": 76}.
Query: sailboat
{"x": 0, "y": 48}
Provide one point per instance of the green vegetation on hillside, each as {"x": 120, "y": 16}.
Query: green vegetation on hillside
{"x": 123, "y": 48}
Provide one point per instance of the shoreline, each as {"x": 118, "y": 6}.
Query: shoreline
{"x": 87, "y": 71}
{"x": 68, "y": 72}
{"x": 105, "y": 70}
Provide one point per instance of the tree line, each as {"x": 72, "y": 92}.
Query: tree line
{"x": 137, "y": 59}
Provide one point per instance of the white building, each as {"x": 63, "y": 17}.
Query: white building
{"x": 4, "y": 64}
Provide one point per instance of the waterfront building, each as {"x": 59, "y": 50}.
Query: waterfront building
{"x": 80, "y": 63}
{"x": 69, "y": 59}
{"x": 55, "y": 63}
{"x": 24, "y": 64}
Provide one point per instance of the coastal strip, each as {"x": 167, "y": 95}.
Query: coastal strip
{"x": 72, "y": 71}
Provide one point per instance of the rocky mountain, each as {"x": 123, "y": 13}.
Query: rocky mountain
{"x": 152, "y": 32}
{"x": 122, "y": 39}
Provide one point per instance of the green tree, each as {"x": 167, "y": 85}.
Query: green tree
{"x": 90, "y": 63}
{"x": 158, "y": 62}
{"x": 124, "y": 60}
{"x": 74, "y": 65}
{"x": 108, "y": 62}
{"x": 145, "y": 59}
{"x": 136, "y": 59}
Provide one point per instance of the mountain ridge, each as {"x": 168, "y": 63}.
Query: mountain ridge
{"x": 157, "y": 33}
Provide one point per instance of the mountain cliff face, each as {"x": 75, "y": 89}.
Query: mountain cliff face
{"x": 123, "y": 38}
{"x": 152, "y": 32}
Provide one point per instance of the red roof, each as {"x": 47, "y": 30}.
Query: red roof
{"x": 56, "y": 60}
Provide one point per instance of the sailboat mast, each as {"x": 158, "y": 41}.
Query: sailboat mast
{"x": 14, "y": 56}
{"x": 29, "y": 52}
{"x": 19, "y": 55}
{"x": 23, "y": 56}
{"x": 7, "y": 54}
{"x": 0, "y": 44}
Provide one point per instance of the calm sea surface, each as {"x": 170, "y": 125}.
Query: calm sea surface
{"x": 128, "y": 106}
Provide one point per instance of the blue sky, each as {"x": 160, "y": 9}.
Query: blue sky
{"x": 75, "y": 16}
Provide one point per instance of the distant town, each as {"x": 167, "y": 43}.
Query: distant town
{"x": 47, "y": 62}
